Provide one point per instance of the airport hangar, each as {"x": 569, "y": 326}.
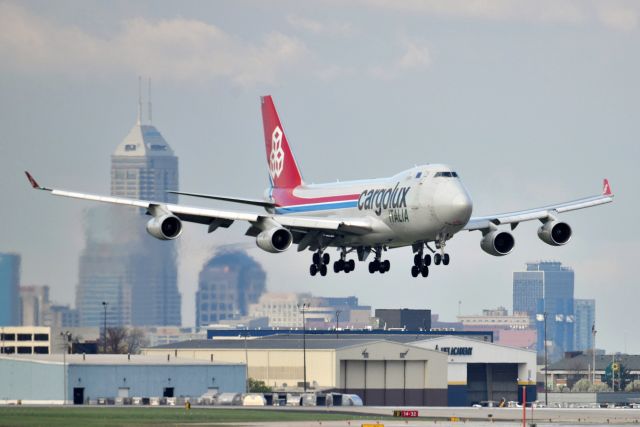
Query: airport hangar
{"x": 477, "y": 370}
{"x": 381, "y": 372}
{"x": 79, "y": 379}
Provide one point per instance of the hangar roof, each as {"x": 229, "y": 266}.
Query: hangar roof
{"x": 268, "y": 343}
{"x": 107, "y": 359}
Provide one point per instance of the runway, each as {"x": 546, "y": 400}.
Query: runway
{"x": 539, "y": 416}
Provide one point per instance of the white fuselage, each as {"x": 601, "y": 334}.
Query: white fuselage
{"x": 421, "y": 204}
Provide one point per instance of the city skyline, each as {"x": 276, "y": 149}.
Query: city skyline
{"x": 529, "y": 106}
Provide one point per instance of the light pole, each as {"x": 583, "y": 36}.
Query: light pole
{"x": 303, "y": 308}
{"x": 543, "y": 318}
{"x": 246, "y": 360}
{"x": 104, "y": 343}
{"x": 337, "y": 322}
{"x": 593, "y": 353}
{"x": 546, "y": 388}
{"x": 66, "y": 337}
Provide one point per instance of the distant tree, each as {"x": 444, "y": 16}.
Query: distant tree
{"x": 599, "y": 387}
{"x": 136, "y": 339}
{"x": 633, "y": 386}
{"x": 257, "y": 386}
{"x": 116, "y": 340}
{"x": 582, "y": 386}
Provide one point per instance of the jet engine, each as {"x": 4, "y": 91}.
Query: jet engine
{"x": 274, "y": 240}
{"x": 497, "y": 243}
{"x": 555, "y": 233}
{"x": 164, "y": 227}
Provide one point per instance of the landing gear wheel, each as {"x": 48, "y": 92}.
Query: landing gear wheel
{"x": 323, "y": 270}
{"x": 337, "y": 267}
{"x": 313, "y": 270}
{"x": 374, "y": 266}
{"x": 349, "y": 266}
{"x": 417, "y": 260}
{"x": 385, "y": 266}
{"x": 437, "y": 258}
{"x": 445, "y": 259}
{"x": 326, "y": 259}
{"x": 316, "y": 258}
{"x": 415, "y": 270}
{"x": 427, "y": 260}
{"x": 424, "y": 271}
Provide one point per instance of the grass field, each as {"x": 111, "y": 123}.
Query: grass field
{"x": 146, "y": 416}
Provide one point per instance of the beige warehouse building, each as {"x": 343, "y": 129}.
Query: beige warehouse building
{"x": 380, "y": 372}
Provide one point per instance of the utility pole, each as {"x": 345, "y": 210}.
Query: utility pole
{"x": 337, "y": 322}
{"x": 104, "y": 343}
{"x": 66, "y": 336}
{"x": 546, "y": 365}
{"x": 593, "y": 353}
{"x": 246, "y": 360}
{"x": 303, "y": 308}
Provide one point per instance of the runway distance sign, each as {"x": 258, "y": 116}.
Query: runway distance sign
{"x": 404, "y": 413}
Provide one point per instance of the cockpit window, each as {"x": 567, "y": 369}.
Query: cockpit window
{"x": 446, "y": 174}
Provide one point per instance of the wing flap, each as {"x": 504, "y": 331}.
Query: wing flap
{"x": 253, "y": 202}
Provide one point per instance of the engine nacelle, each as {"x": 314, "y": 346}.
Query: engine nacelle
{"x": 274, "y": 240}
{"x": 164, "y": 227}
{"x": 555, "y": 233}
{"x": 497, "y": 243}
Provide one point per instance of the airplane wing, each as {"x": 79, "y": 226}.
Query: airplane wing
{"x": 254, "y": 202}
{"x": 542, "y": 213}
{"x": 215, "y": 218}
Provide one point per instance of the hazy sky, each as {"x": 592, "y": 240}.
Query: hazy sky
{"x": 531, "y": 102}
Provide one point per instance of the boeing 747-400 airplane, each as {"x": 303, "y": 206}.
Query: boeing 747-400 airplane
{"x": 422, "y": 207}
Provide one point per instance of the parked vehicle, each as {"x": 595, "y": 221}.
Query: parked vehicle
{"x": 351, "y": 400}
{"x": 229, "y": 399}
{"x": 253, "y": 399}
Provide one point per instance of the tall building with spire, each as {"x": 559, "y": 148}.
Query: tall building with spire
{"x": 122, "y": 265}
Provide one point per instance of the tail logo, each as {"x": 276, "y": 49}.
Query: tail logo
{"x": 276, "y": 157}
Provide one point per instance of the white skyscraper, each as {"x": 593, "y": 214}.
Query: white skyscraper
{"x": 121, "y": 264}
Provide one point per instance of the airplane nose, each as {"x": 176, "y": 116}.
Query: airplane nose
{"x": 456, "y": 210}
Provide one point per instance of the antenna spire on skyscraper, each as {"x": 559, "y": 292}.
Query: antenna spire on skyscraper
{"x": 149, "y": 101}
{"x": 139, "y": 100}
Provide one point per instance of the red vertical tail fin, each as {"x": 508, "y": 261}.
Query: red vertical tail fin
{"x": 283, "y": 170}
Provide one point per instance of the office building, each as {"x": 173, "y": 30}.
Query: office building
{"x": 404, "y": 318}
{"x": 528, "y": 289}
{"x": 227, "y": 285}
{"x": 585, "y": 319}
{"x": 9, "y": 289}
{"x": 556, "y": 300}
{"x": 34, "y": 305}
{"x": 134, "y": 273}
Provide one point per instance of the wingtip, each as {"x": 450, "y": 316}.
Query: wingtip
{"x": 32, "y": 180}
{"x": 606, "y": 188}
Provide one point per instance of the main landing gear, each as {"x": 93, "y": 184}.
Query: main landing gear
{"x": 320, "y": 261}
{"x": 377, "y": 265}
{"x": 421, "y": 262}
{"x": 343, "y": 264}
